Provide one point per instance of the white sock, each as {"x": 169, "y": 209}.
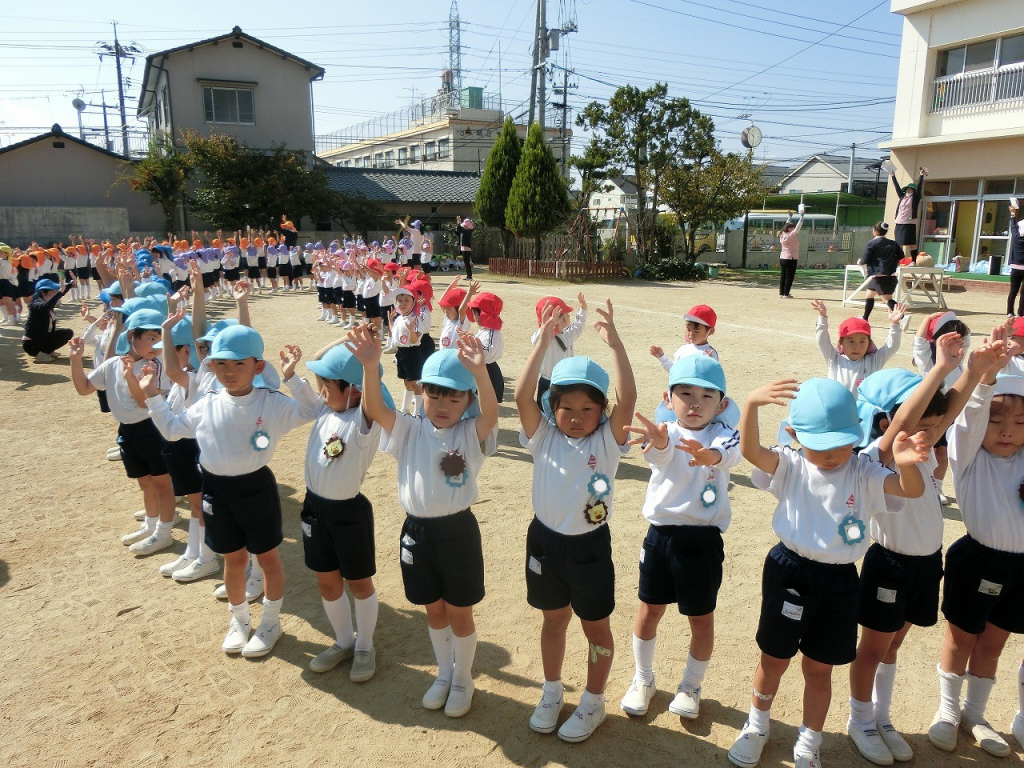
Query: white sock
{"x": 465, "y": 650}
{"x": 416, "y": 400}
{"x": 240, "y": 611}
{"x": 862, "y": 713}
{"x": 978, "y": 691}
{"x": 1020, "y": 690}
{"x": 694, "y": 674}
{"x": 255, "y": 569}
{"x": 339, "y": 613}
{"x": 207, "y": 296}
{"x": 205, "y": 553}
{"x": 881, "y": 695}
{"x": 163, "y": 530}
{"x": 88, "y": 290}
{"x": 6, "y": 314}
{"x": 406, "y": 400}
{"x": 759, "y": 719}
{"x": 590, "y": 701}
{"x": 151, "y": 523}
{"x": 366, "y": 621}
{"x": 808, "y": 742}
{"x": 950, "y": 686}
{"x": 643, "y": 658}
{"x": 553, "y": 686}
{"x": 195, "y": 535}
{"x": 271, "y": 611}
{"x": 441, "y": 639}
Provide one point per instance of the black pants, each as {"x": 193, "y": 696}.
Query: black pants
{"x": 497, "y": 380}
{"x": 1016, "y": 280}
{"x": 51, "y": 342}
{"x": 468, "y": 259}
{"x": 787, "y": 271}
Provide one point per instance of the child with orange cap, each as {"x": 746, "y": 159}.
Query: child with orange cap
{"x": 567, "y": 330}
{"x": 855, "y": 357}
{"x": 486, "y": 309}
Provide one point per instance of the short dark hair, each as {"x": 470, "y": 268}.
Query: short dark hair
{"x": 436, "y": 390}
{"x": 950, "y": 326}
{"x": 557, "y": 391}
{"x": 937, "y": 406}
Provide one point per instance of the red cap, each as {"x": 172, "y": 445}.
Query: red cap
{"x": 852, "y": 325}
{"x": 702, "y": 314}
{"x": 373, "y": 264}
{"x": 1018, "y": 327}
{"x": 489, "y": 307}
{"x": 453, "y": 299}
{"x": 423, "y": 289}
{"x": 552, "y": 301}
{"x": 937, "y": 322}
{"x": 414, "y": 276}
{"x": 392, "y": 267}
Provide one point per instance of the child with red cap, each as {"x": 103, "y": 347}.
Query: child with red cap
{"x": 567, "y": 330}
{"x": 855, "y": 357}
{"x": 455, "y": 305}
{"x": 486, "y": 308}
{"x": 699, "y": 324}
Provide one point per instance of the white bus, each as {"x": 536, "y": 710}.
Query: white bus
{"x": 764, "y": 228}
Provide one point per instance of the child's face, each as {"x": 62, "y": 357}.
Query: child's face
{"x": 446, "y": 410}
{"x": 338, "y": 395}
{"x": 182, "y": 352}
{"x": 1004, "y": 435}
{"x": 405, "y": 304}
{"x": 697, "y": 333}
{"x": 830, "y": 459}
{"x": 855, "y": 346}
{"x": 1016, "y": 340}
{"x": 930, "y": 426}
{"x": 236, "y": 376}
{"x": 561, "y": 322}
{"x": 693, "y": 406}
{"x": 452, "y": 313}
{"x": 202, "y": 349}
{"x": 576, "y": 414}
{"x": 142, "y": 345}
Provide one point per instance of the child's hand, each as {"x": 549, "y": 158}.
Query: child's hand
{"x": 582, "y": 300}
{"x": 196, "y": 276}
{"x": 172, "y": 320}
{"x": 910, "y": 449}
{"x": 150, "y": 381}
{"x": 241, "y": 292}
{"x": 84, "y": 311}
{"x": 605, "y": 327}
{"x": 819, "y": 306}
{"x": 988, "y": 359}
{"x": 474, "y": 288}
{"x": 776, "y": 393}
{"x": 471, "y": 354}
{"x": 547, "y": 325}
{"x": 103, "y": 322}
{"x": 651, "y": 434}
{"x": 76, "y": 348}
{"x": 701, "y": 456}
{"x": 290, "y": 357}
{"x": 364, "y": 344}
{"x": 949, "y": 352}
{"x": 657, "y": 352}
{"x": 182, "y": 294}
{"x": 896, "y": 314}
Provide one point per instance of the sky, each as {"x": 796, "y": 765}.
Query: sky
{"x": 813, "y": 76}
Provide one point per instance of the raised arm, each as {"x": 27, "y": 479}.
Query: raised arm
{"x": 82, "y": 384}
{"x": 198, "y": 301}
{"x": 776, "y": 393}
{"x": 625, "y": 385}
{"x": 471, "y": 355}
{"x": 474, "y": 288}
{"x": 908, "y": 451}
{"x": 174, "y": 370}
{"x": 242, "y": 289}
{"x": 821, "y": 332}
{"x": 365, "y": 345}
{"x": 530, "y": 413}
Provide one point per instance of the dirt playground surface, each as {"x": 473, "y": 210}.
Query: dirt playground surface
{"x": 105, "y": 662}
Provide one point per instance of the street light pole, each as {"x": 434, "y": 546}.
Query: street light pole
{"x": 118, "y": 53}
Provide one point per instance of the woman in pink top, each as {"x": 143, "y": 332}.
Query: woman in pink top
{"x": 790, "y": 243}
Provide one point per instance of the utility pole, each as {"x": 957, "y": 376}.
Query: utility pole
{"x": 849, "y": 185}
{"x": 118, "y": 54}
{"x": 542, "y": 70}
{"x": 537, "y": 44}
{"x": 106, "y": 127}
{"x": 563, "y": 129}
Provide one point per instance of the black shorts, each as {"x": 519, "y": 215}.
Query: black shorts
{"x": 8, "y": 290}
{"x": 682, "y": 564}
{"x": 983, "y": 585}
{"x": 897, "y": 588}
{"x": 232, "y": 275}
{"x": 321, "y": 294}
{"x": 410, "y": 363}
{"x": 208, "y": 279}
{"x": 906, "y": 234}
{"x": 371, "y": 305}
{"x": 882, "y": 285}
{"x": 177, "y": 285}
{"x": 497, "y": 380}
{"x": 427, "y": 345}
{"x": 426, "y": 268}
{"x": 83, "y": 273}
{"x": 360, "y": 303}
{"x": 141, "y": 447}
{"x": 244, "y": 512}
{"x": 338, "y": 536}
{"x": 285, "y": 269}
{"x": 348, "y": 299}
{"x": 182, "y": 460}
{"x": 95, "y": 274}
{"x": 101, "y": 395}
{"x": 809, "y": 607}
{"x": 572, "y": 571}
{"x": 272, "y": 272}
{"x": 442, "y": 559}
{"x": 261, "y": 261}
{"x": 252, "y": 272}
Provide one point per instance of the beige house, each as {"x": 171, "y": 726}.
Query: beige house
{"x": 960, "y": 113}
{"x": 232, "y": 84}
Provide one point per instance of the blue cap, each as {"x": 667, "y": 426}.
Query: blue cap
{"x": 114, "y": 289}
{"x": 824, "y": 415}
{"x": 881, "y": 392}
{"x": 134, "y": 304}
{"x": 46, "y": 285}
{"x": 216, "y": 328}
{"x": 151, "y": 288}
{"x": 698, "y": 371}
{"x": 339, "y": 364}
{"x": 105, "y": 297}
{"x": 444, "y": 369}
{"x": 181, "y": 333}
{"x": 122, "y": 346}
{"x": 580, "y": 370}
{"x": 145, "y": 320}
{"x": 237, "y": 343}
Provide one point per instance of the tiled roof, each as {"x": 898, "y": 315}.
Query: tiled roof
{"x": 387, "y": 185}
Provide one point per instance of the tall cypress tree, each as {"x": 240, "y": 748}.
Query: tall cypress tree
{"x": 496, "y": 181}
{"x": 539, "y": 199}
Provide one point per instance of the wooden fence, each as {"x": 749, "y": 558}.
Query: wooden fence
{"x": 558, "y": 270}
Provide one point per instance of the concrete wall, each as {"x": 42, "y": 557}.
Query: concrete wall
{"x": 51, "y": 224}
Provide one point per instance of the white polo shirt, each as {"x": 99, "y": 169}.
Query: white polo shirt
{"x": 450, "y": 332}
{"x": 109, "y": 377}
{"x": 339, "y": 451}
{"x": 493, "y": 344}
{"x": 918, "y": 529}
{"x": 557, "y": 352}
{"x": 685, "y": 351}
{"x": 850, "y": 373}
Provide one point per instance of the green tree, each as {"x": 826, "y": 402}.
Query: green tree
{"x": 539, "y": 198}
{"x": 711, "y": 190}
{"x": 592, "y": 167}
{"x": 496, "y": 182}
{"x": 162, "y": 175}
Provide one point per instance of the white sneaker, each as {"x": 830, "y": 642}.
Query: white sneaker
{"x": 868, "y": 742}
{"x": 138, "y": 535}
{"x": 898, "y": 746}
{"x": 390, "y": 349}
{"x": 746, "y": 750}
{"x": 42, "y": 357}
{"x": 582, "y": 723}
{"x": 807, "y": 761}
{"x": 460, "y": 699}
{"x": 686, "y": 702}
{"x": 175, "y": 565}
{"x": 330, "y": 657}
{"x": 1017, "y": 728}
{"x": 263, "y": 640}
{"x": 114, "y": 454}
{"x": 985, "y": 735}
{"x": 364, "y": 666}
{"x": 196, "y": 570}
{"x": 253, "y": 590}
{"x": 437, "y": 694}
{"x": 321, "y": 318}
{"x": 943, "y": 734}
{"x": 638, "y": 697}
{"x": 545, "y": 716}
{"x": 140, "y": 515}
{"x": 237, "y": 637}
{"x": 151, "y": 544}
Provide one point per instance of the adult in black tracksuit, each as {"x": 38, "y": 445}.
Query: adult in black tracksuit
{"x": 41, "y": 337}
{"x": 1016, "y": 262}
{"x": 882, "y": 259}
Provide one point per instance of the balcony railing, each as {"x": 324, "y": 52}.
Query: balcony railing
{"x": 979, "y": 91}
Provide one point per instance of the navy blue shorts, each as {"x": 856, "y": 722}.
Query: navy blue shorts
{"x": 410, "y": 363}
{"x": 371, "y": 305}
{"x": 182, "y": 460}
{"x": 338, "y": 536}
{"x": 262, "y": 262}
{"x": 682, "y": 564}
{"x": 83, "y": 273}
{"x": 272, "y": 272}
{"x": 244, "y": 512}
{"x": 285, "y": 269}
{"x": 141, "y": 447}
{"x": 572, "y": 571}
{"x": 252, "y": 272}
{"x": 233, "y": 275}
{"x": 809, "y": 607}
{"x": 348, "y": 299}
{"x": 897, "y": 588}
{"x": 983, "y": 586}
{"x": 442, "y": 559}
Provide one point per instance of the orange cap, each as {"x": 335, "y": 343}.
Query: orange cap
{"x": 197, "y": 244}
{"x": 271, "y": 241}
{"x": 258, "y": 241}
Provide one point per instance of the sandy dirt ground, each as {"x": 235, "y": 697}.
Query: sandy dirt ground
{"x": 105, "y": 662}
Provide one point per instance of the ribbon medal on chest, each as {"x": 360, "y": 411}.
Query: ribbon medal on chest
{"x": 453, "y": 467}
{"x": 333, "y": 448}
{"x": 852, "y": 528}
{"x": 260, "y": 438}
{"x": 709, "y": 495}
{"x": 596, "y": 510}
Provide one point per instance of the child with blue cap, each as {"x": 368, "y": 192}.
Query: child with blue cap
{"x": 826, "y": 497}
{"x": 576, "y": 450}
{"x": 337, "y": 520}
{"x": 688, "y": 510}
{"x": 440, "y": 452}
{"x": 238, "y": 429}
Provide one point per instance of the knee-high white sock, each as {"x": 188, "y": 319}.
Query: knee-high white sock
{"x": 416, "y": 401}
{"x": 255, "y": 569}
{"x": 950, "y": 686}
{"x": 271, "y": 611}
{"x": 978, "y": 691}
{"x": 339, "y": 613}
{"x": 205, "y": 553}
{"x": 88, "y": 290}
{"x": 808, "y": 742}
{"x": 881, "y": 695}
{"x": 195, "y": 536}
{"x": 643, "y": 658}
{"x": 406, "y": 400}
{"x": 366, "y": 621}
{"x": 441, "y": 639}
{"x": 693, "y": 677}
{"x": 465, "y": 650}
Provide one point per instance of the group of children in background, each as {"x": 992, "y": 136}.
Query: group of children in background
{"x": 854, "y": 474}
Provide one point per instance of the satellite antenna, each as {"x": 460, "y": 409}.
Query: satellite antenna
{"x": 79, "y": 106}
